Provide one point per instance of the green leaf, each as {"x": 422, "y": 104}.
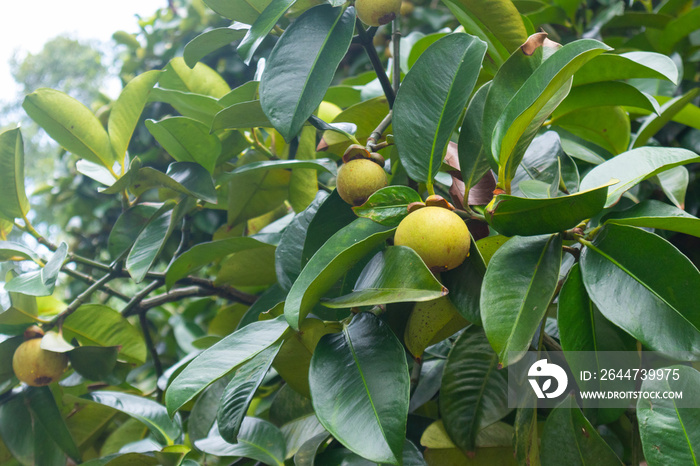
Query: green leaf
{"x": 259, "y": 440}
{"x": 395, "y": 275}
{"x": 360, "y": 388}
{"x": 609, "y": 67}
{"x": 202, "y": 254}
{"x": 43, "y": 407}
{"x": 496, "y": 22}
{"x": 196, "y": 106}
{"x": 518, "y": 287}
{"x": 607, "y": 127}
{"x": 464, "y": 283}
{"x": 212, "y": 40}
{"x": 127, "y": 228}
{"x": 14, "y": 197}
{"x": 605, "y": 94}
{"x": 366, "y": 116}
{"x": 42, "y": 282}
{"x": 306, "y": 455}
{"x": 510, "y": 215}
{"x": 653, "y": 123}
{"x": 536, "y": 99}
{"x": 474, "y": 393}
{"x": 198, "y": 80}
{"x": 218, "y": 360}
{"x": 296, "y": 78}
{"x": 188, "y": 178}
{"x": 186, "y": 140}
{"x": 127, "y": 110}
{"x": 15, "y": 251}
{"x": 656, "y": 214}
{"x": 71, "y": 124}
{"x": 298, "y": 431}
{"x": 94, "y": 362}
{"x": 389, "y": 205}
{"x": 343, "y": 250}
{"x": 679, "y": 28}
{"x": 656, "y": 305}
{"x": 288, "y": 255}
{"x": 473, "y": 159}
{"x": 669, "y": 433}
{"x": 98, "y": 325}
{"x": 568, "y": 438}
{"x": 633, "y": 167}
{"x": 250, "y": 267}
{"x": 245, "y": 11}
{"x": 240, "y": 391}
{"x": 241, "y": 115}
{"x": 427, "y": 109}
{"x": 261, "y": 27}
{"x": 674, "y": 183}
{"x": 150, "y": 242}
{"x": 17, "y": 429}
{"x": 332, "y": 216}
{"x": 152, "y": 414}
{"x": 325, "y": 165}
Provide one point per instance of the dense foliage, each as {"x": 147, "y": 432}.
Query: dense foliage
{"x": 216, "y": 300}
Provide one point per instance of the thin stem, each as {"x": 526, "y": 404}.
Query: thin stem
{"x": 133, "y": 306}
{"x": 377, "y": 134}
{"x": 88, "y": 279}
{"x": 174, "y": 295}
{"x": 258, "y": 145}
{"x": 396, "y": 53}
{"x": 143, "y": 321}
{"x": 415, "y": 373}
{"x": 81, "y": 299}
{"x": 366, "y": 42}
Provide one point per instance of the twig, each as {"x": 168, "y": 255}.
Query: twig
{"x": 81, "y": 299}
{"x": 377, "y": 134}
{"x": 396, "y": 53}
{"x": 366, "y": 42}
{"x": 174, "y": 295}
{"x": 133, "y": 306}
{"x": 415, "y": 373}
{"x": 143, "y": 320}
{"x": 88, "y": 279}
{"x": 223, "y": 291}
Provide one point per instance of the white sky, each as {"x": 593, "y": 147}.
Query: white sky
{"x": 28, "y": 24}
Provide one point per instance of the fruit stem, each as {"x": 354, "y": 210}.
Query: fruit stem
{"x": 429, "y": 187}
{"x": 376, "y": 135}
{"x": 376, "y": 62}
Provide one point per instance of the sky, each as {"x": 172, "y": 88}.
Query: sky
{"x": 26, "y": 25}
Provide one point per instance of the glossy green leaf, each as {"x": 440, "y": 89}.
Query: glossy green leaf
{"x": 186, "y": 140}
{"x": 605, "y": 94}
{"x": 298, "y": 431}
{"x": 518, "y": 287}
{"x": 152, "y": 414}
{"x": 546, "y": 163}
{"x": 127, "y": 110}
{"x": 332, "y": 216}
{"x": 196, "y": 106}
{"x": 607, "y": 127}
{"x": 464, "y": 284}
{"x": 536, "y": 99}
{"x": 474, "y": 392}
{"x": 202, "y": 254}
{"x": 18, "y": 435}
{"x": 474, "y": 161}
{"x": 7, "y": 350}
{"x": 245, "y": 11}
{"x": 633, "y": 167}
{"x": 288, "y": 255}
{"x": 259, "y": 440}
{"x": 240, "y": 391}
{"x": 188, "y": 178}
{"x": 150, "y": 243}
{"x": 249, "y": 267}
{"x": 568, "y": 438}
{"x": 306, "y": 455}
{"x": 498, "y": 23}
{"x": 127, "y": 228}
{"x": 674, "y": 183}
{"x": 71, "y": 124}
{"x": 212, "y": 40}
{"x": 296, "y": 78}
{"x": 22, "y": 311}
{"x": 389, "y": 205}
{"x": 14, "y": 251}
{"x": 365, "y": 115}
{"x": 656, "y": 214}
{"x": 98, "y": 325}
{"x": 243, "y": 93}
{"x": 14, "y": 197}
{"x": 609, "y": 67}
{"x": 395, "y": 275}
{"x": 679, "y": 28}
{"x": 198, "y": 80}
{"x": 360, "y": 388}
{"x": 261, "y": 27}
{"x": 44, "y": 409}
{"x": 656, "y": 305}
{"x": 343, "y": 250}
{"x": 43, "y": 281}
{"x": 220, "y": 359}
{"x": 94, "y": 362}
{"x": 654, "y": 123}
{"x": 427, "y": 109}
{"x": 688, "y": 115}
{"x": 669, "y": 433}
{"x": 241, "y": 115}
{"x": 527, "y": 441}
{"x": 324, "y": 165}
{"x": 510, "y": 215}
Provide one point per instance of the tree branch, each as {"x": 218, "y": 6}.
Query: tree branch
{"x": 88, "y": 279}
{"x": 174, "y": 295}
{"x": 143, "y": 320}
{"x": 134, "y": 305}
{"x": 366, "y": 42}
